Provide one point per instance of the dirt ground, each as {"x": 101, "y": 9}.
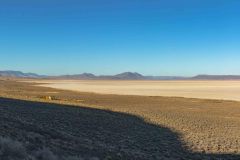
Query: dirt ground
{"x": 98, "y": 126}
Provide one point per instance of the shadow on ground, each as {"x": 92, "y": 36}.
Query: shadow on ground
{"x": 89, "y": 133}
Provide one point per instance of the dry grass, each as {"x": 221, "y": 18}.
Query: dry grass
{"x": 120, "y": 127}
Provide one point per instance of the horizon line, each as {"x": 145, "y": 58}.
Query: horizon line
{"x": 49, "y": 75}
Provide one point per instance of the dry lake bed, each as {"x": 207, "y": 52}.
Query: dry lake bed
{"x": 225, "y": 90}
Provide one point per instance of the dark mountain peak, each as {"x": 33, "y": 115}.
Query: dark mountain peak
{"x": 129, "y": 75}
{"x": 78, "y": 76}
{"x": 88, "y": 74}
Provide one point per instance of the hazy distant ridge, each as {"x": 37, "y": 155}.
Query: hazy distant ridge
{"x": 121, "y": 76}
{"x": 216, "y": 77}
{"x": 20, "y": 74}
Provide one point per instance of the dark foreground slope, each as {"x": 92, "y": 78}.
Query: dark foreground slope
{"x": 51, "y": 131}
{"x": 85, "y": 132}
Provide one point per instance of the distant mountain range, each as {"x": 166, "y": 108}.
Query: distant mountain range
{"x": 216, "y": 77}
{"x": 18, "y": 74}
{"x": 122, "y": 76}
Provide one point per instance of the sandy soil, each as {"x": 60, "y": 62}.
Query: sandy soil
{"x": 225, "y": 90}
{"x": 102, "y": 126}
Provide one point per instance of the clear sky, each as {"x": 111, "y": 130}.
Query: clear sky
{"x": 152, "y": 37}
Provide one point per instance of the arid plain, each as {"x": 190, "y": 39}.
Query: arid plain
{"x": 92, "y": 126}
{"x": 225, "y": 90}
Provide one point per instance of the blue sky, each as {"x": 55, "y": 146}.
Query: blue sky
{"x": 152, "y": 37}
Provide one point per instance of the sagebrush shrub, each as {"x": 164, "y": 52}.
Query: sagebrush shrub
{"x": 11, "y": 150}
{"x": 14, "y": 150}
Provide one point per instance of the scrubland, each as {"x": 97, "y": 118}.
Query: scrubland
{"x": 80, "y": 125}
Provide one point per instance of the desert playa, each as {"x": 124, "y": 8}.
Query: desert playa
{"x": 104, "y": 125}
{"x": 224, "y": 90}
